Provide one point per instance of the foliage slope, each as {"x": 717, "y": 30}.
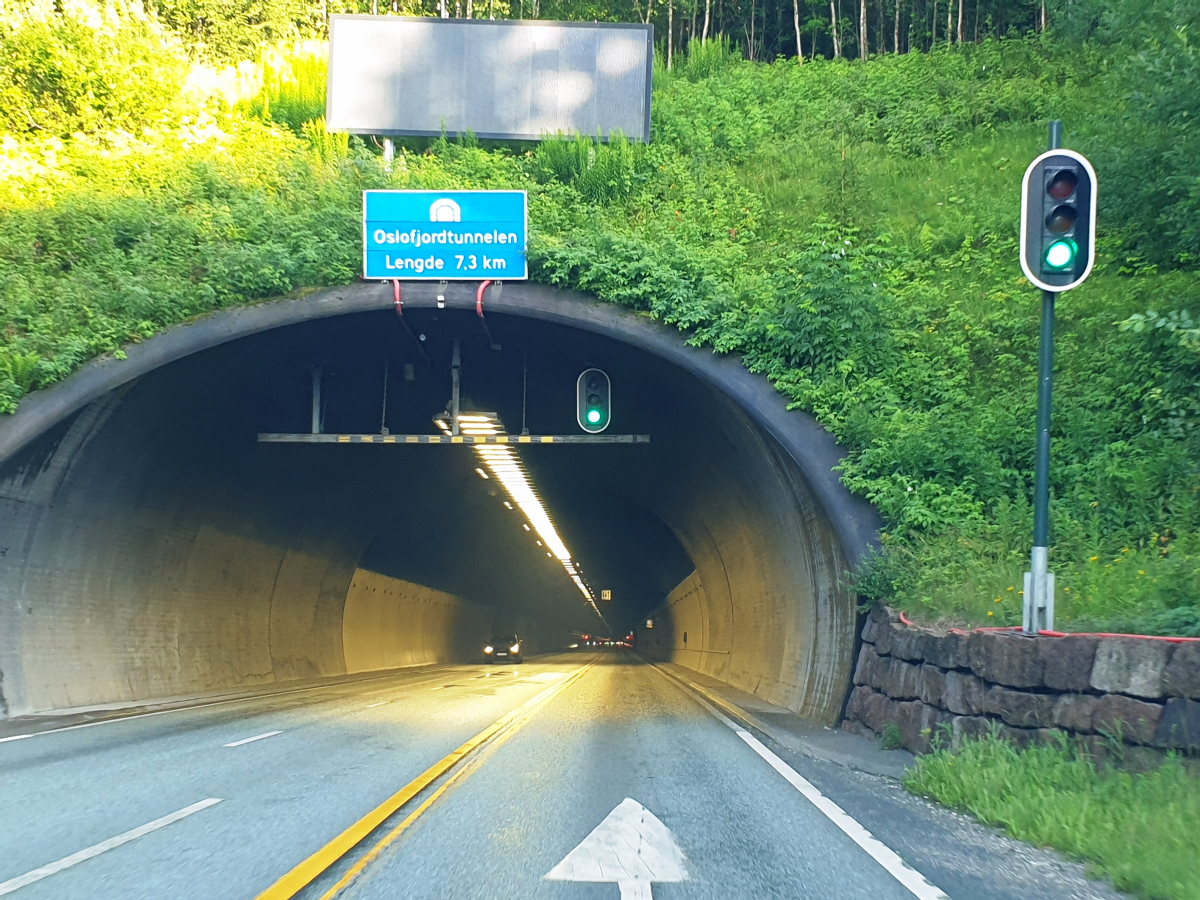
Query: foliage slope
{"x": 846, "y": 228}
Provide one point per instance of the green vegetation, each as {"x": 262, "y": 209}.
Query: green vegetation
{"x": 1141, "y": 830}
{"x": 848, "y": 228}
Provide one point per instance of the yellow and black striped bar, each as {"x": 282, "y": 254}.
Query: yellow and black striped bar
{"x": 270, "y": 438}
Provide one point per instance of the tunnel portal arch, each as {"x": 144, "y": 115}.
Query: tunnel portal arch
{"x": 109, "y": 564}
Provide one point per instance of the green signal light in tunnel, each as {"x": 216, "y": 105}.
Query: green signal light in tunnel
{"x": 1061, "y": 254}
{"x": 593, "y": 416}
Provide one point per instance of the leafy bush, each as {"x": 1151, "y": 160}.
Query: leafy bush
{"x": 600, "y": 171}
{"x": 68, "y": 72}
{"x": 233, "y": 30}
{"x": 293, "y": 87}
{"x": 1143, "y": 139}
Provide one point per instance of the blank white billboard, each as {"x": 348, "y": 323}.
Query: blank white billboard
{"x": 523, "y": 80}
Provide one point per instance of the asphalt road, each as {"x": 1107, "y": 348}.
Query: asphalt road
{"x": 621, "y": 768}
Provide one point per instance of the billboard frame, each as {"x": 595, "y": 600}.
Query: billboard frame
{"x": 645, "y": 28}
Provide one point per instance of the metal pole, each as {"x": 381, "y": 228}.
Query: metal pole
{"x": 1039, "y": 599}
{"x": 455, "y": 364}
{"x": 316, "y": 400}
{"x": 389, "y": 152}
{"x": 383, "y": 415}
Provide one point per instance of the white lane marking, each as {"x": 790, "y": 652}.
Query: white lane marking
{"x": 250, "y": 740}
{"x": 75, "y": 858}
{"x": 875, "y": 848}
{"x": 630, "y": 847}
{"x": 175, "y": 709}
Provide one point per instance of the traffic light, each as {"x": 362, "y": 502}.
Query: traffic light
{"x": 593, "y": 407}
{"x": 1058, "y": 220}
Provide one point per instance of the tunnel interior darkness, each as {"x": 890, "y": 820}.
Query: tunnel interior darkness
{"x": 153, "y": 547}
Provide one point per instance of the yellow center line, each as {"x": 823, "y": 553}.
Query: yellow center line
{"x": 306, "y": 872}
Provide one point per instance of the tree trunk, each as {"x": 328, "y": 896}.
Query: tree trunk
{"x": 707, "y": 19}
{"x": 933, "y": 26}
{"x": 833, "y": 30}
{"x": 896, "y": 38}
{"x": 670, "y": 32}
{"x": 949, "y": 21}
{"x": 962, "y": 35}
{"x": 751, "y": 35}
{"x": 796, "y": 22}
{"x": 863, "y": 49}
{"x": 649, "y": 10}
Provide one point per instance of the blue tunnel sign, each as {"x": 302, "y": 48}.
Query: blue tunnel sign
{"x": 445, "y": 235}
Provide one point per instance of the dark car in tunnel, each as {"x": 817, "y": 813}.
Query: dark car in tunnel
{"x": 506, "y": 647}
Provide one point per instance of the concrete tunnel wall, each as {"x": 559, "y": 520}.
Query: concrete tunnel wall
{"x": 135, "y": 567}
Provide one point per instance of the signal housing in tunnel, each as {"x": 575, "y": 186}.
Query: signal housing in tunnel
{"x": 154, "y": 549}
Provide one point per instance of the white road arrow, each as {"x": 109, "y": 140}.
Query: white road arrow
{"x": 630, "y": 847}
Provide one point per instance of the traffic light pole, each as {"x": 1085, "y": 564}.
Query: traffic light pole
{"x": 1039, "y": 582}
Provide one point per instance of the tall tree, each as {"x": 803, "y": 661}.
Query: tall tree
{"x": 833, "y": 30}
{"x": 961, "y": 34}
{"x": 862, "y": 29}
{"x": 896, "y": 36}
{"x": 796, "y": 23}
{"x": 751, "y": 35}
{"x": 670, "y": 32}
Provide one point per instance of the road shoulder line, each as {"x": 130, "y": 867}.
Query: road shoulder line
{"x": 910, "y": 878}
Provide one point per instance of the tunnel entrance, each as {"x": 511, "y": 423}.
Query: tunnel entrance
{"x": 154, "y": 548}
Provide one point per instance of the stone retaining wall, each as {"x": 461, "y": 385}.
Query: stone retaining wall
{"x": 1143, "y": 693}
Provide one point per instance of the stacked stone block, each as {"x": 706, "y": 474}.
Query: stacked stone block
{"x": 1144, "y": 694}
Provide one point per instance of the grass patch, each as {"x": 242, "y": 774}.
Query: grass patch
{"x": 1142, "y": 830}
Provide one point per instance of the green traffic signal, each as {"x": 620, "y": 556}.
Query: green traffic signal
{"x": 593, "y": 397}
{"x": 1058, "y": 220}
{"x": 1061, "y": 254}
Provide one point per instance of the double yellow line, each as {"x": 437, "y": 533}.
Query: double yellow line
{"x": 308, "y": 871}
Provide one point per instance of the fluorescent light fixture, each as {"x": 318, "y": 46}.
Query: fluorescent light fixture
{"x": 505, "y": 466}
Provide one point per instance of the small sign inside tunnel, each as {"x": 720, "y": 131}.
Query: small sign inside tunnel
{"x": 445, "y": 235}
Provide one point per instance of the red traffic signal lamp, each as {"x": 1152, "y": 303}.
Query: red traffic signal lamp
{"x": 1058, "y": 220}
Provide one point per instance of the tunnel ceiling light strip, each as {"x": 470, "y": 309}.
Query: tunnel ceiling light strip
{"x": 505, "y": 464}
